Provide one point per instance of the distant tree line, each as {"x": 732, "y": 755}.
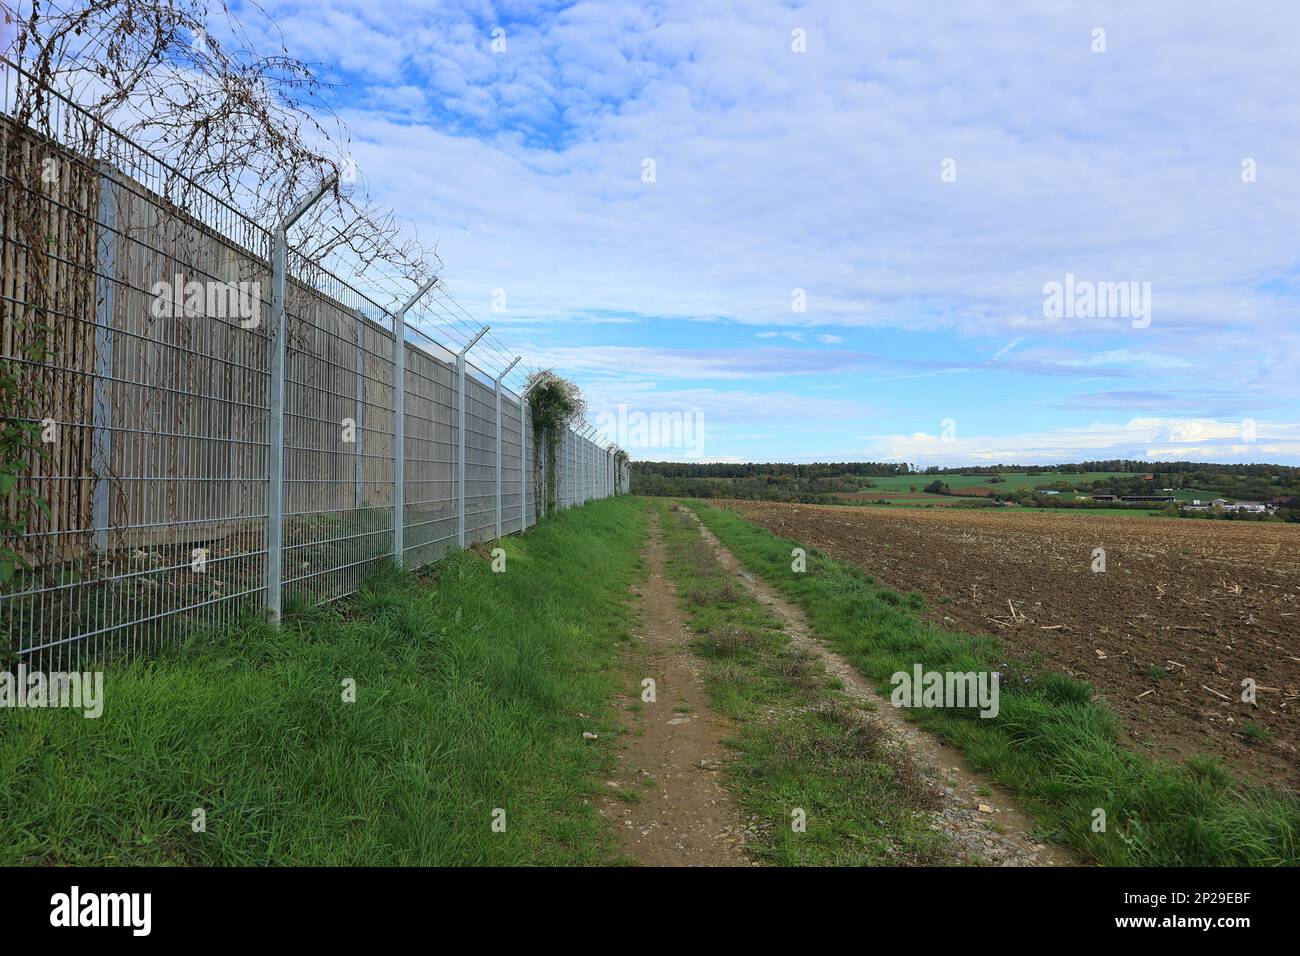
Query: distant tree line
{"x": 783, "y": 487}
{"x": 686, "y": 469}
{"x": 824, "y": 482}
{"x": 1275, "y": 474}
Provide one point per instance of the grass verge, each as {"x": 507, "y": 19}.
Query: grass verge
{"x": 472, "y": 690}
{"x": 1051, "y": 742}
{"x": 802, "y": 746}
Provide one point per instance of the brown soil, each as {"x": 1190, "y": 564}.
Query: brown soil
{"x": 1209, "y": 602}
{"x": 681, "y": 815}
{"x": 974, "y": 491}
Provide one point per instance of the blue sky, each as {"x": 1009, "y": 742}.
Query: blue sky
{"x": 924, "y": 337}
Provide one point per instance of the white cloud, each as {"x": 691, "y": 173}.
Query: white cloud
{"x": 571, "y": 224}
{"x": 1008, "y": 347}
{"x": 670, "y": 363}
{"x": 1159, "y": 438}
{"x": 821, "y": 172}
{"x": 725, "y": 406}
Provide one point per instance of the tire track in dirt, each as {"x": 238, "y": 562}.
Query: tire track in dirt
{"x": 666, "y": 799}
{"x": 981, "y": 817}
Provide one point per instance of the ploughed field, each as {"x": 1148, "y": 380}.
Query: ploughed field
{"x": 1183, "y": 613}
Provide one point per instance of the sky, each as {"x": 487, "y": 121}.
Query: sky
{"x": 830, "y": 231}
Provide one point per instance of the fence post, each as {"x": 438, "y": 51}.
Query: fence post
{"x": 460, "y": 450}
{"x": 275, "y": 435}
{"x": 523, "y": 468}
{"x": 102, "y": 414}
{"x": 460, "y": 436}
{"x": 357, "y": 434}
{"x": 275, "y": 431}
{"x": 496, "y": 385}
{"x": 399, "y": 437}
{"x": 399, "y": 423}
{"x": 496, "y": 389}
{"x": 588, "y": 465}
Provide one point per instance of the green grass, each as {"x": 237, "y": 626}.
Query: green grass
{"x": 1051, "y": 742}
{"x": 1011, "y": 481}
{"x": 802, "y": 746}
{"x": 1256, "y": 734}
{"x": 470, "y": 686}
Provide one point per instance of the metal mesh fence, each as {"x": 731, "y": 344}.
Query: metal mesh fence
{"x": 430, "y": 453}
{"x": 338, "y": 437}
{"x": 156, "y": 384}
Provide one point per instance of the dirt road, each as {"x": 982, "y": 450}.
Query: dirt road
{"x": 981, "y": 819}
{"x": 667, "y": 799}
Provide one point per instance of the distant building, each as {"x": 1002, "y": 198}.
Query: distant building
{"x": 1254, "y": 507}
{"x": 1223, "y": 504}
